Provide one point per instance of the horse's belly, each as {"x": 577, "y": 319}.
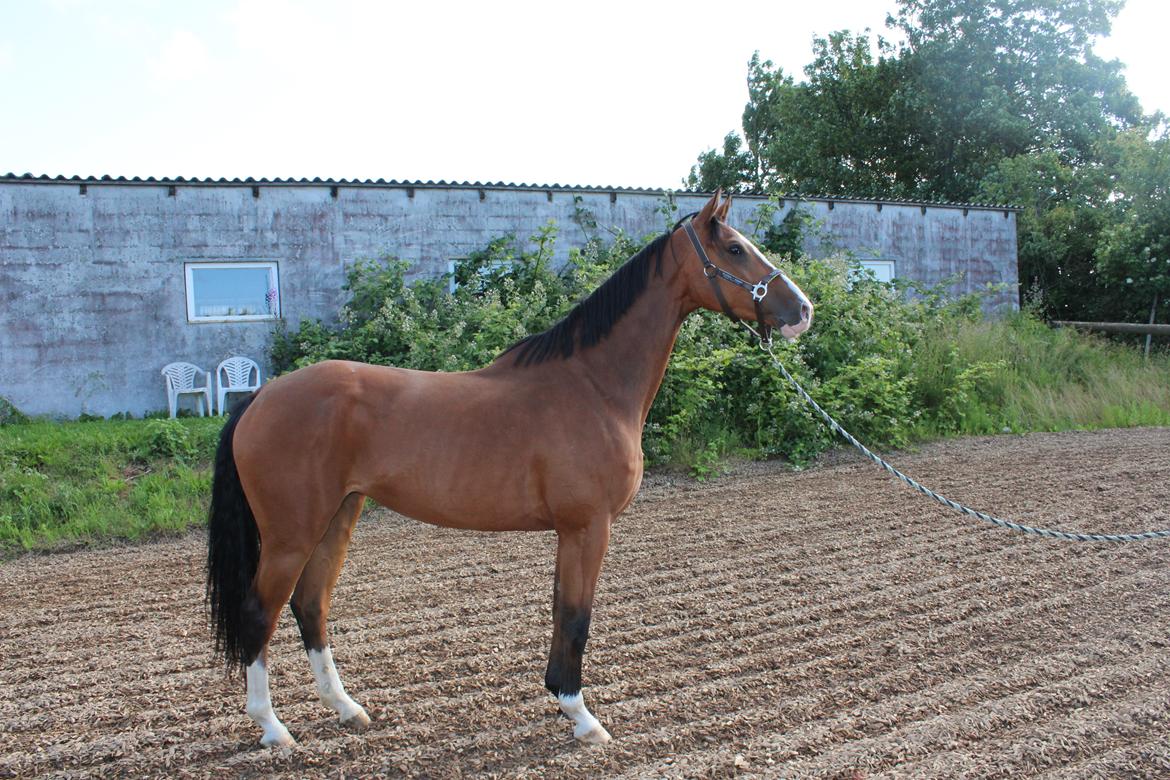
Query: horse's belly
{"x": 492, "y": 491}
{"x": 490, "y": 513}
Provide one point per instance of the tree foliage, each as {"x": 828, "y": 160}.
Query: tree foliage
{"x": 982, "y": 100}
{"x": 1133, "y": 255}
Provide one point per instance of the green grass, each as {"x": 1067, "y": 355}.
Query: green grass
{"x": 1019, "y": 375}
{"x": 66, "y": 484}
{"x": 63, "y": 484}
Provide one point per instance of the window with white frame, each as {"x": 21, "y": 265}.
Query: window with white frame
{"x": 231, "y": 292}
{"x": 883, "y": 270}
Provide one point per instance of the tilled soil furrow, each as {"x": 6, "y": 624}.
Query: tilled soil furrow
{"x": 830, "y": 681}
{"x": 1056, "y": 742}
{"x": 791, "y": 696}
{"x": 768, "y": 622}
{"x": 455, "y": 705}
{"x": 859, "y": 736}
{"x": 677, "y": 595}
{"x": 669, "y": 575}
{"x": 1115, "y": 717}
{"x": 977, "y": 725}
{"x": 743, "y": 654}
{"x": 1136, "y": 759}
{"x": 778, "y": 643}
{"x": 666, "y": 584}
{"x": 722, "y": 693}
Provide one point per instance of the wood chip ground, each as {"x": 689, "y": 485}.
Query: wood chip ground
{"x": 827, "y": 623}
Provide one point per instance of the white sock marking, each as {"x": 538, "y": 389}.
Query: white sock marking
{"x": 260, "y": 710}
{"x": 329, "y": 686}
{"x": 587, "y": 728}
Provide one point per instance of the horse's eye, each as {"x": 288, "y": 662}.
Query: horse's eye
{"x": 735, "y": 249}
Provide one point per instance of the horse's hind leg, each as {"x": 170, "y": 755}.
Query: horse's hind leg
{"x": 276, "y": 575}
{"x": 310, "y": 606}
{"x": 579, "y": 555}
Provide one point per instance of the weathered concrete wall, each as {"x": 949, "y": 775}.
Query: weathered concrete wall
{"x": 92, "y": 285}
{"x": 929, "y": 244}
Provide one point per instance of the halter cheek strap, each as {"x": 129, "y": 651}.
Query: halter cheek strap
{"x": 714, "y": 273}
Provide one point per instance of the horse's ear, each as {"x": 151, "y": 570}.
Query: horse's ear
{"x": 711, "y": 210}
{"x": 721, "y": 210}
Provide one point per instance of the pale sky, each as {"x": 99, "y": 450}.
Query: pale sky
{"x": 592, "y": 93}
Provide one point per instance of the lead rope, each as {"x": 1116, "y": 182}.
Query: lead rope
{"x": 1048, "y": 532}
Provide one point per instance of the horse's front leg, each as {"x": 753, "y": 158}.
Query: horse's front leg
{"x": 580, "y": 551}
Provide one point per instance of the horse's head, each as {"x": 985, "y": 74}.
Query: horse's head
{"x": 728, "y": 273}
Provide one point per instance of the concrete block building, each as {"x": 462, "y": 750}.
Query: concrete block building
{"x": 103, "y": 281}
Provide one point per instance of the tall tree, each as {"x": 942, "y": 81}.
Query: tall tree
{"x": 975, "y": 82}
{"x": 988, "y": 80}
{"x": 825, "y": 135}
{"x": 997, "y": 100}
{"x": 1063, "y": 210}
{"x": 1133, "y": 255}
{"x": 731, "y": 169}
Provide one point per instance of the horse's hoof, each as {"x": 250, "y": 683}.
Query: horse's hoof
{"x": 594, "y": 736}
{"x": 359, "y": 721}
{"x": 279, "y": 738}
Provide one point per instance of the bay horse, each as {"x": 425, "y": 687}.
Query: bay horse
{"x": 547, "y": 437}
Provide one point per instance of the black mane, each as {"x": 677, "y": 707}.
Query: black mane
{"x": 592, "y": 319}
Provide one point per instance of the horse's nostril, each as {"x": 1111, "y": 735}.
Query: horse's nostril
{"x": 805, "y": 312}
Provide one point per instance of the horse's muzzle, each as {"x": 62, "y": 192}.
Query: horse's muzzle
{"x": 791, "y": 330}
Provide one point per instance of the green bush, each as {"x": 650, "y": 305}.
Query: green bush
{"x": 500, "y": 296}
{"x": 168, "y": 439}
{"x": 893, "y": 368}
{"x": 9, "y": 414}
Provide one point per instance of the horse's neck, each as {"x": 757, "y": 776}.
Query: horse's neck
{"x": 628, "y": 365}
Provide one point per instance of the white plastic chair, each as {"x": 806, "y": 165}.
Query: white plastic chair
{"x": 234, "y": 375}
{"x": 181, "y": 378}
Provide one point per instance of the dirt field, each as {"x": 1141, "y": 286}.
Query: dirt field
{"x": 829, "y": 623}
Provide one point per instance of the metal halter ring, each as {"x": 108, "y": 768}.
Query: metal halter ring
{"x": 760, "y": 290}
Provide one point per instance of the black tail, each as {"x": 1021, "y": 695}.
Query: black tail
{"x": 233, "y": 551}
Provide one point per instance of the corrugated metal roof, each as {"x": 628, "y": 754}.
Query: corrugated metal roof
{"x": 28, "y": 178}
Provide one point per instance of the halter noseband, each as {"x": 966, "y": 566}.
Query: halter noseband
{"x": 714, "y": 273}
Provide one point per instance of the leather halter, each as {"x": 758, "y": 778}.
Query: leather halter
{"x": 714, "y": 273}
